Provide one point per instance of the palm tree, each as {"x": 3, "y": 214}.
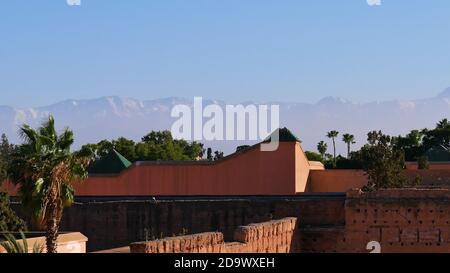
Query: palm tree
{"x": 349, "y": 140}
{"x": 333, "y": 134}
{"x": 444, "y": 123}
{"x": 322, "y": 148}
{"x": 44, "y": 168}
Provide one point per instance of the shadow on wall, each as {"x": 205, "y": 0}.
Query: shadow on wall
{"x": 111, "y": 224}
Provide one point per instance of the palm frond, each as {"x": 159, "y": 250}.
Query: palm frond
{"x": 47, "y": 141}
{"x": 12, "y": 245}
{"x": 48, "y": 129}
{"x": 67, "y": 195}
{"x": 30, "y": 137}
{"x": 65, "y": 140}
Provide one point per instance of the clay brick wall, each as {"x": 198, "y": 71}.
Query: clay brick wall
{"x": 329, "y": 239}
{"x": 210, "y": 242}
{"x": 403, "y": 220}
{"x": 276, "y": 236}
{"x": 110, "y": 224}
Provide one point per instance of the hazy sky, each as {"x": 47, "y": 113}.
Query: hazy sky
{"x": 235, "y": 50}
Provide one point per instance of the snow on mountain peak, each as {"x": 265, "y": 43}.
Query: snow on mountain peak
{"x": 110, "y": 117}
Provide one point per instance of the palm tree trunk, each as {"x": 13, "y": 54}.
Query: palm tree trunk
{"x": 52, "y": 227}
{"x": 334, "y": 152}
{"x": 348, "y": 150}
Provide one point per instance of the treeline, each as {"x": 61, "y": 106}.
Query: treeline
{"x": 414, "y": 146}
{"x": 157, "y": 145}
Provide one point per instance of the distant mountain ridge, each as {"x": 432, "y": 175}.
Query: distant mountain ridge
{"x": 110, "y": 117}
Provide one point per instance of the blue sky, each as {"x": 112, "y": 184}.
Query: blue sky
{"x": 235, "y": 50}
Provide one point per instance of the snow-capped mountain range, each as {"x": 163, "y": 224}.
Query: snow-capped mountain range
{"x": 111, "y": 117}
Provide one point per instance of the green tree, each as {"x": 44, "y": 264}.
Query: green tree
{"x": 218, "y": 155}
{"x": 423, "y": 163}
{"x": 157, "y": 145}
{"x": 100, "y": 149}
{"x": 443, "y": 124}
{"x": 158, "y": 137}
{"x": 333, "y": 134}
{"x": 383, "y": 163}
{"x": 209, "y": 155}
{"x": 411, "y": 145}
{"x": 312, "y": 156}
{"x": 162, "y": 146}
{"x": 9, "y": 221}
{"x": 125, "y": 147}
{"x": 142, "y": 151}
{"x": 322, "y": 147}
{"x": 242, "y": 148}
{"x": 438, "y": 137}
{"x": 6, "y": 150}
{"x": 349, "y": 140}
{"x": 45, "y": 169}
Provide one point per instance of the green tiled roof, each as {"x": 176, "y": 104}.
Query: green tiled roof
{"x": 112, "y": 163}
{"x": 285, "y": 135}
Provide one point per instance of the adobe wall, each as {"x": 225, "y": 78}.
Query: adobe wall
{"x": 405, "y": 220}
{"x": 432, "y": 177}
{"x": 336, "y": 180}
{"x": 251, "y": 172}
{"x": 432, "y": 166}
{"x": 285, "y": 171}
{"x": 402, "y": 221}
{"x": 344, "y": 180}
{"x": 276, "y": 236}
{"x": 302, "y": 170}
{"x": 110, "y": 224}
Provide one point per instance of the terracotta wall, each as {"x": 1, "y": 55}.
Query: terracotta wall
{"x": 110, "y": 224}
{"x": 405, "y": 220}
{"x": 302, "y": 169}
{"x": 336, "y": 180}
{"x": 285, "y": 171}
{"x": 344, "y": 180}
{"x": 276, "y": 236}
{"x": 409, "y": 220}
{"x": 253, "y": 172}
{"x": 401, "y": 221}
{"x": 432, "y": 177}
{"x": 250, "y": 173}
{"x": 432, "y": 166}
